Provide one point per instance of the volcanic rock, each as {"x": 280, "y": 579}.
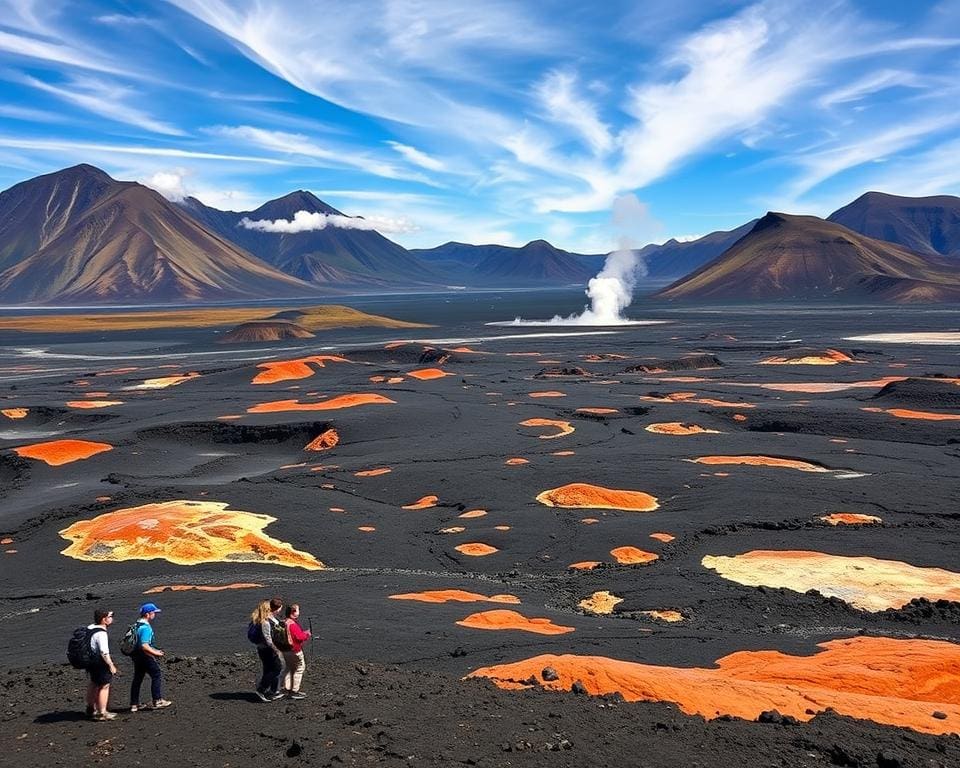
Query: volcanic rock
{"x": 265, "y": 330}
{"x": 689, "y": 363}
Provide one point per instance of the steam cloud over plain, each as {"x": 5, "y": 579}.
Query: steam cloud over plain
{"x": 611, "y": 291}
{"x": 311, "y": 221}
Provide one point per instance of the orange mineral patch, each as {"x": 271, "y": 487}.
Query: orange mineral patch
{"x": 564, "y": 427}
{"x": 589, "y": 520}
{"x": 424, "y": 502}
{"x": 666, "y": 538}
{"x": 334, "y": 403}
{"x": 516, "y": 462}
{"x": 93, "y": 403}
{"x": 851, "y": 518}
{"x": 184, "y": 533}
{"x": 633, "y": 556}
{"x": 291, "y": 370}
{"x": 563, "y": 453}
{"x": 906, "y": 413}
{"x": 548, "y": 393}
{"x": 505, "y": 619}
{"x": 427, "y": 374}
{"x": 455, "y": 596}
{"x": 597, "y": 411}
{"x": 584, "y": 565}
{"x": 366, "y": 528}
{"x": 163, "y": 382}
{"x": 200, "y": 587}
{"x": 472, "y": 513}
{"x": 894, "y": 682}
{"x": 57, "y": 452}
{"x": 679, "y": 428}
{"x": 864, "y": 582}
{"x": 586, "y": 496}
{"x": 324, "y": 441}
{"x": 476, "y": 549}
{"x": 830, "y": 357}
{"x": 453, "y": 529}
{"x": 669, "y": 616}
{"x": 15, "y": 413}
{"x": 373, "y": 472}
{"x": 761, "y": 461}
{"x": 600, "y": 603}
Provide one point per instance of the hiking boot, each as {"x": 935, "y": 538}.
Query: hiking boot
{"x": 297, "y": 695}
{"x": 262, "y": 696}
{"x": 161, "y": 703}
{"x": 101, "y": 716}
{"x": 276, "y": 696}
{"x": 134, "y": 707}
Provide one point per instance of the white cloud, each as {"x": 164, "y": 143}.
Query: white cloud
{"x": 415, "y": 156}
{"x": 106, "y": 100}
{"x": 56, "y": 52}
{"x": 170, "y": 184}
{"x": 309, "y": 221}
{"x": 557, "y": 93}
{"x": 67, "y": 146}
{"x": 300, "y": 145}
{"x": 869, "y": 84}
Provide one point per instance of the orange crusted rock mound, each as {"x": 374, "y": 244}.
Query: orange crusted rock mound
{"x": 907, "y": 413}
{"x": 455, "y": 596}
{"x": 633, "y": 556}
{"x": 586, "y": 496}
{"x": 163, "y": 382}
{"x": 89, "y": 404}
{"x": 504, "y": 619}
{"x": 563, "y": 427}
{"x": 811, "y": 357}
{"x": 326, "y": 440}
{"x": 427, "y": 374}
{"x": 200, "y": 587}
{"x": 688, "y": 363}
{"x": 851, "y": 518}
{"x": 864, "y": 582}
{"x": 762, "y": 461}
{"x": 265, "y": 330}
{"x": 600, "y": 603}
{"x": 15, "y": 413}
{"x": 424, "y": 502}
{"x": 334, "y": 403}
{"x": 291, "y": 370}
{"x": 894, "y": 682}
{"x": 182, "y": 532}
{"x": 476, "y": 549}
{"x": 679, "y": 428}
{"x": 58, "y": 452}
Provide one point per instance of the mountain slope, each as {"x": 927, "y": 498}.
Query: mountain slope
{"x": 798, "y": 257}
{"x": 675, "y": 259}
{"x": 928, "y": 225}
{"x": 330, "y": 256}
{"x": 78, "y": 235}
{"x": 536, "y": 263}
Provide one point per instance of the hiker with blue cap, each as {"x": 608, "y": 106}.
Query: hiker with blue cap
{"x": 144, "y": 657}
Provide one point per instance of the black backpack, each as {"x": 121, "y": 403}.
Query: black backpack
{"x": 280, "y": 635}
{"x": 79, "y": 653}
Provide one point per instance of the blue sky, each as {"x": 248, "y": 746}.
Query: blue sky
{"x": 494, "y": 121}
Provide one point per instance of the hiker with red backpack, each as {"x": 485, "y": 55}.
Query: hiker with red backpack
{"x": 89, "y": 649}
{"x": 265, "y": 631}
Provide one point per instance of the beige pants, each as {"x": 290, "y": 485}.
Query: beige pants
{"x": 294, "y": 666}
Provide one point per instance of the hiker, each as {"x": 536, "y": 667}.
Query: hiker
{"x": 101, "y": 668}
{"x": 144, "y": 657}
{"x": 294, "y": 664}
{"x": 263, "y": 624}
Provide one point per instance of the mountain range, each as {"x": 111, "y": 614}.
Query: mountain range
{"x": 77, "y": 235}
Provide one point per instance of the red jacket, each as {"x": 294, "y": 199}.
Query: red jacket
{"x": 297, "y": 636}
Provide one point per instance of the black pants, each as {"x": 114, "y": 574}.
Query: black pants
{"x": 145, "y": 665}
{"x": 272, "y": 669}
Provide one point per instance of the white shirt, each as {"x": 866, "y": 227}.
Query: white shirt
{"x": 98, "y": 641}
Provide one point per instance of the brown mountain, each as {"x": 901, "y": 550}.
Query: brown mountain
{"x": 927, "y": 225}
{"x": 338, "y": 256}
{"x": 536, "y": 263}
{"x": 79, "y": 235}
{"x": 803, "y": 257}
{"x": 674, "y": 259}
